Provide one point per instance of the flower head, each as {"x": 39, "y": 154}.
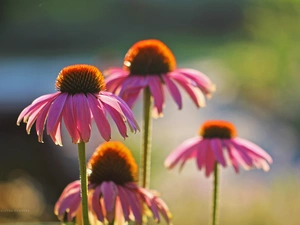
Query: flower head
{"x": 80, "y": 98}
{"x": 113, "y": 193}
{"x": 151, "y": 64}
{"x": 218, "y": 143}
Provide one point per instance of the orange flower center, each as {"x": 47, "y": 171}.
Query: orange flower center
{"x": 80, "y": 79}
{"x": 112, "y": 161}
{"x": 218, "y": 129}
{"x": 149, "y": 57}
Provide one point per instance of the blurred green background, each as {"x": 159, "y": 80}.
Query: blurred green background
{"x": 250, "y": 50}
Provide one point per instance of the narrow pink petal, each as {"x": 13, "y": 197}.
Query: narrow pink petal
{"x": 101, "y": 121}
{"x": 66, "y": 203}
{"x": 74, "y": 207}
{"x": 192, "y": 91}
{"x": 163, "y": 208}
{"x": 96, "y": 204}
{"x": 115, "y": 81}
{"x": 124, "y": 202}
{"x": 127, "y": 112}
{"x": 118, "y": 120}
{"x": 245, "y": 162}
{"x": 156, "y": 90}
{"x": 202, "y": 81}
{"x": 216, "y": 146}
{"x": 135, "y": 205}
{"x": 174, "y": 91}
{"x": 41, "y": 120}
{"x": 253, "y": 148}
{"x": 33, "y": 116}
{"x": 109, "y": 192}
{"x": 57, "y": 138}
{"x": 82, "y": 116}
{"x": 180, "y": 151}
{"x": 148, "y": 197}
{"x": 69, "y": 119}
{"x": 243, "y": 154}
{"x": 201, "y": 153}
{"x": 35, "y": 104}
{"x": 111, "y": 101}
{"x": 209, "y": 161}
{"x": 55, "y": 113}
{"x": 233, "y": 160}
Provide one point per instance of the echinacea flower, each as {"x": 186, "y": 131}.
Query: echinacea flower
{"x": 218, "y": 143}
{"x": 151, "y": 64}
{"x": 80, "y": 98}
{"x": 114, "y": 196}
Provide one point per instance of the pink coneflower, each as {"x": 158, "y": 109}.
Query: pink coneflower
{"x": 151, "y": 64}
{"x": 80, "y": 98}
{"x": 114, "y": 196}
{"x": 218, "y": 143}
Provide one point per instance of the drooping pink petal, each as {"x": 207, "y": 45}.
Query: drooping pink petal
{"x": 57, "y": 139}
{"x": 109, "y": 192}
{"x": 33, "y": 116}
{"x": 74, "y": 206}
{"x": 126, "y": 111}
{"x": 147, "y": 197}
{"x": 55, "y": 115}
{"x": 118, "y": 120}
{"x": 124, "y": 202}
{"x": 253, "y": 148}
{"x": 131, "y": 89}
{"x": 202, "y": 81}
{"x": 156, "y": 90}
{"x": 202, "y": 148}
{"x": 210, "y": 161}
{"x": 101, "y": 121}
{"x": 180, "y": 151}
{"x": 135, "y": 205}
{"x": 65, "y": 203}
{"x": 82, "y": 116}
{"x": 174, "y": 91}
{"x": 35, "y": 104}
{"x": 192, "y": 91}
{"x": 41, "y": 120}
{"x": 163, "y": 208}
{"x": 69, "y": 119}
{"x": 243, "y": 154}
{"x": 216, "y": 146}
{"x": 115, "y": 81}
{"x": 96, "y": 204}
{"x": 237, "y": 155}
{"x": 232, "y": 158}
{"x": 55, "y": 112}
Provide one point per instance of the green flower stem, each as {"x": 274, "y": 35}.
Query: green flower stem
{"x": 215, "y": 196}
{"x": 83, "y": 182}
{"x": 145, "y": 163}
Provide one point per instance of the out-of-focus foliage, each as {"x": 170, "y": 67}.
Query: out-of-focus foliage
{"x": 265, "y": 64}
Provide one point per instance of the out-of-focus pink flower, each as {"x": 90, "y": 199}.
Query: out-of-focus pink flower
{"x": 113, "y": 192}
{"x": 218, "y": 143}
{"x": 151, "y": 64}
{"x": 81, "y": 98}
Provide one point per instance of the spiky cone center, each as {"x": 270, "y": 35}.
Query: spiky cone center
{"x": 218, "y": 129}
{"x": 112, "y": 161}
{"x": 80, "y": 78}
{"x": 148, "y": 57}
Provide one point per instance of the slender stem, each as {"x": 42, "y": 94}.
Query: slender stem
{"x": 215, "y": 195}
{"x": 83, "y": 182}
{"x": 145, "y": 164}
